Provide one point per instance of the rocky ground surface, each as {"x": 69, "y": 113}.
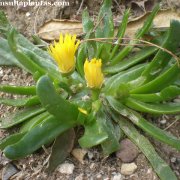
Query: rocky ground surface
{"x": 129, "y": 163}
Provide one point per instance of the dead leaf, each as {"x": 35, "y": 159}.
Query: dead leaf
{"x": 162, "y": 20}
{"x": 79, "y": 154}
{"x": 61, "y": 149}
{"x": 51, "y": 29}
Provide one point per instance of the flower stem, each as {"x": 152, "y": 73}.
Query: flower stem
{"x": 95, "y": 94}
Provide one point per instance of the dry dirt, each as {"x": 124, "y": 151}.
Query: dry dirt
{"x": 27, "y": 21}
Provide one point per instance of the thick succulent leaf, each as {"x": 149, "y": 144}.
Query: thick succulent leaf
{"x": 88, "y": 27}
{"x": 104, "y": 29}
{"x": 30, "y": 101}
{"x": 21, "y": 90}
{"x": 23, "y": 59}
{"x": 137, "y": 58}
{"x": 24, "y": 42}
{"x": 11, "y": 139}
{"x": 120, "y": 33}
{"x": 88, "y": 24}
{"x": 105, "y": 18}
{"x": 114, "y": 82}
{"x": 6, "y": 56}
{"x": 18, "y": 117}
{"x": 63, "y": 110}
{"x": 143, "y": 124}
{"x": 45, "y": 64}
{"x": 111, "y": 144}
{"x": 4, "y": 24}
{"x": 94, "y": 135}
{"x": 159, "y": 83}
{"x": 159, "y": 165}
{"x": 162, "y": 58}
{"x": 166, "y": 94}
{"x": 148, "y": 23}
{"x": 86, "y": 47}
{"x": 39, "y": 135}
{"x": 87, "y": 50}
{"x": 126, "y": 50}
{"x": 61, "y": 149}
{"x": 167, "y": 108}
{"x": 31, "y": 123}
{"x": 81, "y": 56}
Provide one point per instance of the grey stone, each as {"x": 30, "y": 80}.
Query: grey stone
{"x": 8, "y": 171}
{"x": 128, "y": 151}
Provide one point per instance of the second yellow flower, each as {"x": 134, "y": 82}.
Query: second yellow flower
{"x": 93, "y": 73}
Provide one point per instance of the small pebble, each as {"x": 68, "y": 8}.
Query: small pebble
{"x": 90, "y": 155}
{"x": 28, "y": 14}
{"x": 99, "y": 176}
{"x": 163, "y": 121}
{"x": 80, "y": 177}
{"x": 173, "y": 159}
{"x": 92, "y": 166}
{"x": 66, "y": 168}
{"x": 118, "y": 176}
{"x": 128, "y": 168}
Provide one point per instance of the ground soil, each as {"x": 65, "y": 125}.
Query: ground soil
{"x": 27, "y": 21}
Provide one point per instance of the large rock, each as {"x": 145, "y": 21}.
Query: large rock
{"x": 128, "y": 151}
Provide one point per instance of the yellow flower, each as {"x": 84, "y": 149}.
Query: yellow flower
{"x": 93, "y": 73}
{"x": 64, "y": 52}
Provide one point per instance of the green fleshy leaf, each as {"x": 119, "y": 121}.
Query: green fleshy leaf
{"x": 49, "y": 66}
{"x": 160, "y": 82}
{"x": 6, "y": 56}
{"x": 152, "y": 130}
{"x": 30, "y": 101}
{"x": 105, "y": 29}
{"x": 162, "y": 58}
{"x": 41, "y": 134}
{"x": 94, "y": 135}
{"x": 22, "y": 90}
{"x": 88, "y": 47}
{"x": 31, "y": 123}
{"x": 4, "y": 24}
{"x": 167, "y": 108}
{"x": 111, "y": 144}
{"x": 88, "y": 24}
{"x": 126, "y": 50}
{"x": 127, "y": 63}
{"x": 19, "y": 117}
{"x": 23, "y": 59}
{"x": 11, "y": 139}
{"x": 63, "y": 110}
{"x": 120, "y": 33}
{"x": 166, "y": 94}
{"x": 113, "y": 83}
